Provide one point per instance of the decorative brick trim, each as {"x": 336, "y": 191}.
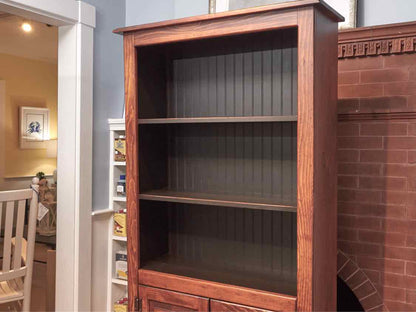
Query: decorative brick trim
{"x": 377, "y": 40}
{"x": 359, "y": 283}
{"x": 377, "y": 47}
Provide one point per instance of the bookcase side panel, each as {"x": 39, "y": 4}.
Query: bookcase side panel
{"x": 132, "y": 174}
{"x": 317, "y": 161}
{"x": 306, "y": 156}
{"x": 325, "y": 177}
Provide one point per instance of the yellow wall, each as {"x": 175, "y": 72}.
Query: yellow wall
{"x": 28, "y": 83}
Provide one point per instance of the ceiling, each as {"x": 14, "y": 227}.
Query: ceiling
{"x": 40, "y": 44}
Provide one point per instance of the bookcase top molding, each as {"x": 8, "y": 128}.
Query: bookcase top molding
{"x": 216, "y": 17}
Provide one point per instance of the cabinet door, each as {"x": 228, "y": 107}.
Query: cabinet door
{"x": 221, "y": 306}
{"x": 158, "y": 300}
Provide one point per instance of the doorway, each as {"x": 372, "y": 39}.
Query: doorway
{"x": 29, "y": 75}
{"x": 75, "y": 21}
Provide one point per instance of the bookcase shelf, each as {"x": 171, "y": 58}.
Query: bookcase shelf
{"x": 119, "y": 238}
{"x": 278, "y": 282}
{"x": 119, "y": 281}
{"x": 119, "y": 198}
{"x": 235, "y": 201}
{"x": 217, "y": 120}
{"x": 120, "y": 163}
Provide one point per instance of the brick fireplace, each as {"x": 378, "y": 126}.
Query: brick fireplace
{"x": 377, "y": 165}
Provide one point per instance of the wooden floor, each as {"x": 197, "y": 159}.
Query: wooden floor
{"x": 38, "y": 301}
{"x": 42, "y": 298}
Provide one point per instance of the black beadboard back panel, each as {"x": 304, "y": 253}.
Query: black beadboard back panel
{"x": 244, "y": 247}
{"x": 251, "y": 159}
{"x": 250, "y": 83}
{"x": 244, "y": 75}
{"x": 247, "y": 75}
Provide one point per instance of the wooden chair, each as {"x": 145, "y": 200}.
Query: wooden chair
{"x": 16, "y": 273}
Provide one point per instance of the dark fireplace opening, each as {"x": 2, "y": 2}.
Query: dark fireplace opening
{"x": 346, "y": 299}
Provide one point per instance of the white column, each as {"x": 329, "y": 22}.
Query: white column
{"x": 75, "y": 72}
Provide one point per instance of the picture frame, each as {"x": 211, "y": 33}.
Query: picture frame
{"x": 347, "y": 8}
{"x": 34, "y": 127}
{"x": 216, "y": 6}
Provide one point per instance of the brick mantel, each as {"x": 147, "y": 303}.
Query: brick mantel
{"x": 377, "y": 165}
{"x": 377, "y": 73}
{"x": 377, "y": 40}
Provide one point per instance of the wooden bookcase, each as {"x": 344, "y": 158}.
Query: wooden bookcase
{"x": 231, "y": 179}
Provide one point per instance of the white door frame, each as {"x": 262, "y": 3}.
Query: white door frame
{"x": 76, "y": 21}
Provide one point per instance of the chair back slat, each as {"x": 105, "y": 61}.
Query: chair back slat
{"x": 17, "y": 257}
{"x": 15, "y": 273}
{"x": 15, "y": 195}
{"x": 30, "y": 251}
{"x": 1, "y": 216}
{"x": 7, "y": 242}
{"x": 14, "y": 221}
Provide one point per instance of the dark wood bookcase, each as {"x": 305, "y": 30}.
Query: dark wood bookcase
{"x": 231, "y": 173}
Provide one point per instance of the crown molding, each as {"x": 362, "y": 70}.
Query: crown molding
{"x": 377, "y": 40}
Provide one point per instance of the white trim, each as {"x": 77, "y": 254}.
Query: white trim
{"x": 85, "y": 57}
{"x": 119, "y": 198}
{"x": 119, "y": 281}
{"x": 58, "y": 13}
{"x": 119, "y": 238}
{"x": 102, "y": 212}
{"x": 348, "y": 9}
{"x": 222, "y": 6}
{"x": 86, "y": 14}
{"x": 75, "y": 56}
{"x": 2, "y": 133}
{"x": 217, "y": 6}
{"x": 25, "y": 176}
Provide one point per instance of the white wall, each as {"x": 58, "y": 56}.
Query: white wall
{"x": 145, "y": 11}
{"x": 370, "y": 12}
{"x": 148, "y": 11}
{"x": 378, "y": 12}
{"x": 108, "y": 89}
{"x": 185, "y": 8}
{"x": 108, "y": 103}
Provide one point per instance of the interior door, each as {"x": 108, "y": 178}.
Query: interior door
{"x": 158, "y": 300}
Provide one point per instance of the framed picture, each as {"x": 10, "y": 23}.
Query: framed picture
{"x": 347, "y": 8}
{"x": 34, "y": 127}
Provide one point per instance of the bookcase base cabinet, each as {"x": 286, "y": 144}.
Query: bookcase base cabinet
{"x": 159, "y": 300}
{"x": 231, "y": 125}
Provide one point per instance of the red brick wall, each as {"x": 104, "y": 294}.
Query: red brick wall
{"x": 377, "y": 173}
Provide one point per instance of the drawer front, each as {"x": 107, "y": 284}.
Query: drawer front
{"x": 221, "y": 306}
{"x": 159, "y": 300}
{"x": 41, "y": 252}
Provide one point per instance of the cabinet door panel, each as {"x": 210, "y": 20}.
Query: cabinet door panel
{"x": 158, "y": 300}
{"x": 221, "y": 306}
